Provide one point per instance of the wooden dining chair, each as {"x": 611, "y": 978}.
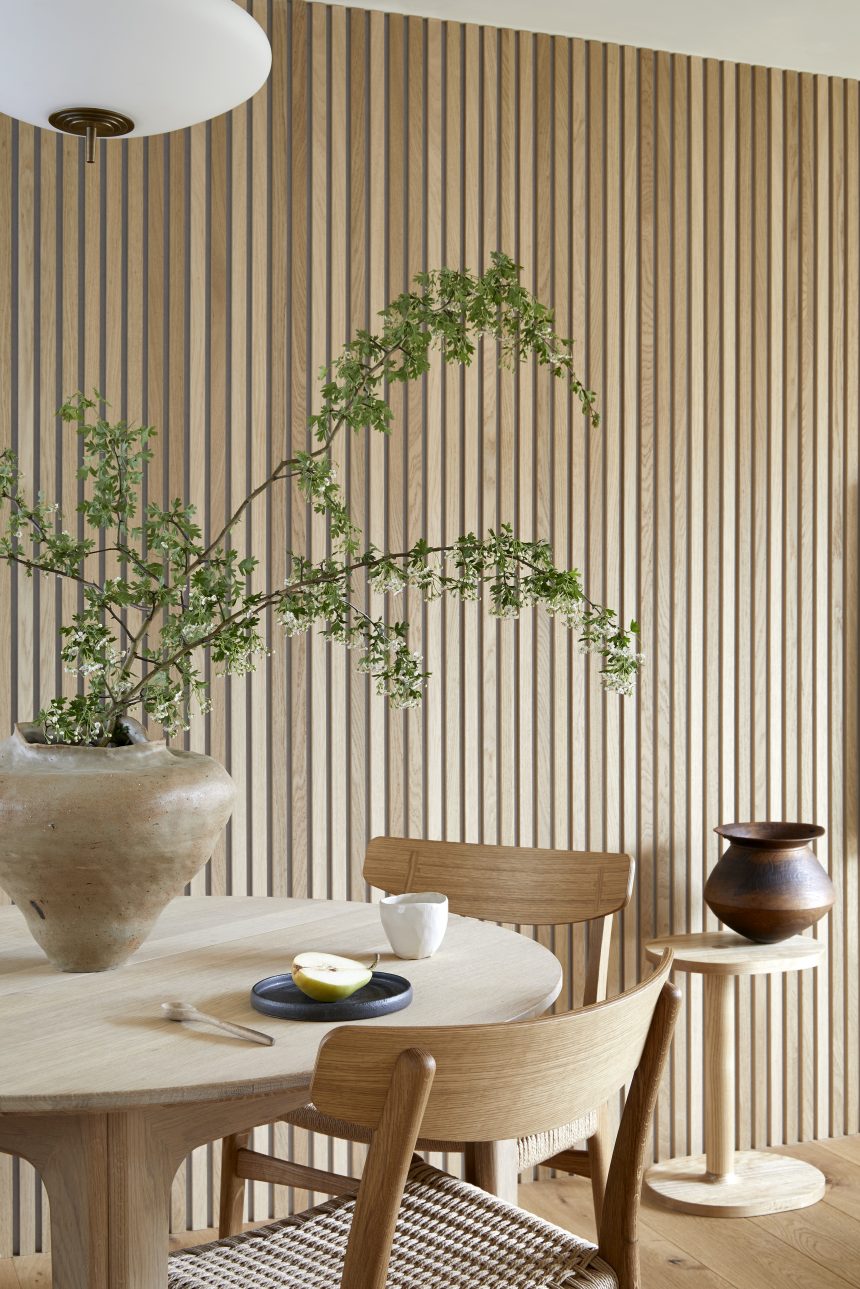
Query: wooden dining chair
{"x": 512, "y": 884}
{"x": 421, "y": 1227}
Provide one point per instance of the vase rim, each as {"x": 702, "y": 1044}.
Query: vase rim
{"x": 772, "y": 834}
{"x": 54, "y": 752}
{"x": 32, "y": 745}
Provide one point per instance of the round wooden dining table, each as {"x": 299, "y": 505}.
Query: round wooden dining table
{"x": 105, "y": 1097}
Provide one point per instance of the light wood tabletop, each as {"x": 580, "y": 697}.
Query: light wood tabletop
{"x": 106, "y": 1097}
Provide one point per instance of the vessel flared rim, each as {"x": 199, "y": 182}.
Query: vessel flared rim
{"x": 772, "y": 834}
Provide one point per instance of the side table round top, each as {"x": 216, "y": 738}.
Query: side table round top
{"x": 726, "y": 953}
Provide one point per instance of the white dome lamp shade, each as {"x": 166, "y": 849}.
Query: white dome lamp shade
{"x": 104, "y": 68}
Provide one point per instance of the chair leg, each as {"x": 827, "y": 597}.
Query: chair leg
{"x": 492, "y": 1165}
{"x": 599, "y": 1147}
{"x": 232, "y": 1186}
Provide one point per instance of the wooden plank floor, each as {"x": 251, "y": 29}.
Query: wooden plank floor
{"x": 814, "y": 1248}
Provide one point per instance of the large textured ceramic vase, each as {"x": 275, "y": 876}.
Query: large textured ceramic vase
{"x": 94, "y": 842}
{"x": 768, "y": 885}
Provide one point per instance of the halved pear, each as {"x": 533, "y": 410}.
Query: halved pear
{"x": 327, "y": 978}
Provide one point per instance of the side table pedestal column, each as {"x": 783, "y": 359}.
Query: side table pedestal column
{"x": 724, "y": 1182}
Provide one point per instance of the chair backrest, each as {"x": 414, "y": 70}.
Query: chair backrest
{"x": 494, "y": 1082}
{"x": 491, "y": 1083}
{"x": 504, "y": 883}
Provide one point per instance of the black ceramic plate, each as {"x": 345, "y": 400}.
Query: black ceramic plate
{"x": 278, "y": 996}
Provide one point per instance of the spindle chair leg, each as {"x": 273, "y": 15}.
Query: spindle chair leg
{"x": 232, "y": 1207}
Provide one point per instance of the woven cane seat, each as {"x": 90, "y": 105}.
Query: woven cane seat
{"x": 449, "y": 1235}
{"x": 532, "y": 1150}
{"x": 535, "y": 1149}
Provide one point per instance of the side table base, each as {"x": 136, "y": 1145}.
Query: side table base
{"x": 761, "y": 1183}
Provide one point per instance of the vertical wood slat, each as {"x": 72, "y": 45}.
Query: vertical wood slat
{"x": 7, "y": 575}
{"x": 695, "y": 226}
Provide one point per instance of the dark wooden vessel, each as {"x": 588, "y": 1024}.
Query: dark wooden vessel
{"x": 769, "y": 885}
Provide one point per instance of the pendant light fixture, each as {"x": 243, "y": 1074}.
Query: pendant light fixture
{"x": 105, "y": 68}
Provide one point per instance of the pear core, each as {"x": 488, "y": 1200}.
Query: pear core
{"x": 327, "y": 978}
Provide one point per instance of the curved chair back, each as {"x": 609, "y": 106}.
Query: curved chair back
{"x": 504, "y": 883}
{"x": 491, "y": 1082}
{"x": 494, "y": 1082}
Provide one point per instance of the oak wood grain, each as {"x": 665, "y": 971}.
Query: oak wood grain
{"x": 103, "y": 1042}
{"x": 638, "y": 191}
{"x": 505, "y": 883}
{"x": 575, "y": 1061}
{"x": 729, "y": 954}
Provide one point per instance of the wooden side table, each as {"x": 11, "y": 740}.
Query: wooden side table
{"x": 724, "y": 1182}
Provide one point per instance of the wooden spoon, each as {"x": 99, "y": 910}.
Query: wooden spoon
{"x": 187, "y": 1011}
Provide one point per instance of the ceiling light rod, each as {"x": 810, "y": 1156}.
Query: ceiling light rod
{"x": 91, "y": 123}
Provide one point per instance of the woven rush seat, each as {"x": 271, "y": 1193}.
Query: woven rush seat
{"x": 532, "y": 1150}
{"x": 449, "y": 1235}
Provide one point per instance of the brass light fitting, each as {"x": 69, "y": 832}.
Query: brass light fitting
{"x": 93, "y": 123}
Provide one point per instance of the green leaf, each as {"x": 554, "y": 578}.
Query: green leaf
{"x": 138, "y": 643}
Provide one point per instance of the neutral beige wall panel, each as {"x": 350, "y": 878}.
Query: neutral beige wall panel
{"x": 682, "y": 681}
{"x": 827, "y": 554}
{"x": 413, "y": 464}
{"x": 847, "y": 978}
{"x": 835, "y": 1073}
{"x": 630, "y": 410}
{"x": 25, "y": 1185}
{"x": 470, "y": 492}
{"x": 791, "y": 546}
{"x": 646, "y": 865}
{"x": 216, "y": 471}
{"x": 175, "y": 447}
{"x": 297, "y": 699}
{"x": 452, "y": 252}
{"x": 197, "y": 448}
{"x": 434, "y": 455}
{"x": 711, "y": 480}
{"x": 278, "y": 340}
{"x": 7, "y": 576}
{"x": 775, "y": 550}
{"x": 356, "y": 746}
{"x": 507, "y": 465}
{"x": 489, "y": 682}
{"x": 695, "y": 226}
{"x": 48, "y": 378}
{"x": 611, "y": 347}
{"x": 260, "y": 392}
{"x": 524, "y": 696}
{"x": 396, "y": 277}
{"x": 377, "y": 448}
{"x": 236, "y": 375}
{"x": 559, "y": 482}
{"x": 807, "y": 523}
{"x": 692, "y": 840}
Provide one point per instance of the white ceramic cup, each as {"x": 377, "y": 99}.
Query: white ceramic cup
{"x": 414, "y": 923}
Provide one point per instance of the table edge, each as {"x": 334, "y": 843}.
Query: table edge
{"x": 206, "y": 1094}
{"x": 212, "y": 1093}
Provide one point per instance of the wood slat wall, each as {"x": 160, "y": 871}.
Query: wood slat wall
{"x": 695, "y": 226}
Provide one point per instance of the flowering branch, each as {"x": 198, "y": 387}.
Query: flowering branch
{"x": 193, "y": 595}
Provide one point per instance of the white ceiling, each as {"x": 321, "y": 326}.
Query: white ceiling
{"x": 805, "y": 35}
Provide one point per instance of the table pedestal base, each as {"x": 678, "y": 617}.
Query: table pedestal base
{"x": 760, "y": 1183}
